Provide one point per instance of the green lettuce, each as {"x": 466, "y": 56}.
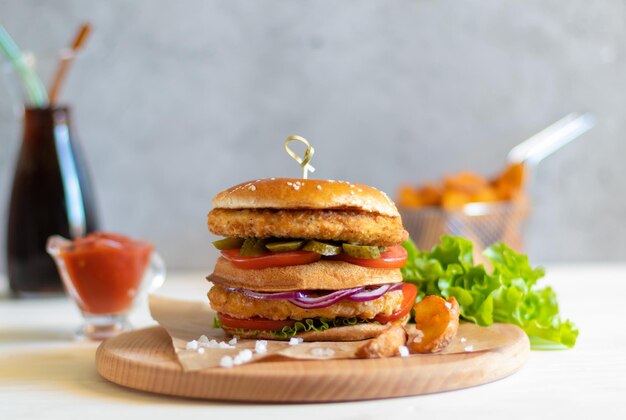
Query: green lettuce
{"x": 508, "y": 294}
{"x": 309, "y": 324}
{"x": 316, "y": 324}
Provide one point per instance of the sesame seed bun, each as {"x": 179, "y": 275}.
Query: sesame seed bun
{"x": 320, "y": 275}
{"x": 292, "y": 194}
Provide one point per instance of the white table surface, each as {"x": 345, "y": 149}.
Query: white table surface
{"x": 44, "y": 373}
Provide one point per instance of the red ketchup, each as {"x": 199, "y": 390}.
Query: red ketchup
{"x": 106, "y": 271}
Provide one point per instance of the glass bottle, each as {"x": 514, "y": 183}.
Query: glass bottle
{"x": 51, "y": 195}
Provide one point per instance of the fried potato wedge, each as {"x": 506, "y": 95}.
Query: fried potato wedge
{"x": 456, "y": 190}
{"x": 437, "y": 322}
{"x": 455, "y": 200}
{"x": 510, "y": 184}
{"x": 385, "y": 344}
{"x": 409, "y": 197}
{"x": 466, "y": 182}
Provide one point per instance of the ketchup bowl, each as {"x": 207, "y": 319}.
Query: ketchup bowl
{"x": 106, "y": 274}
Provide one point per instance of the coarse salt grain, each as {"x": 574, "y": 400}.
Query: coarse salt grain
{"x": 469, "y": 348}
{"x": 448, "y": 305}
{"x": 294, "y": 341}
{"x": 245, "y": 355}
{"x": 463, "y": 339}
{"x": 261, "y": 346}
{"x": 319, "y": 187}
{"x": 204, "y": 341}
{"x": 403, "y": 351}
{"x": 226, "y": 362}
{"x": 201, "y": 350}
{"x": 351, "y": 192}
{"x": 252, "y": 188}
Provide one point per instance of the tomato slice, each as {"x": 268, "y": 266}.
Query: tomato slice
{"x": 410, "y": 293}
{"x": 395, "y": 257}
{"x": 255, "y": 323}
{"x": 270, "y": 259}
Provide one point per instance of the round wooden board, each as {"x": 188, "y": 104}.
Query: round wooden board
{"x": 145, "y": 360}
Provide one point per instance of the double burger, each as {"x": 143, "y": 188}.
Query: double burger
{"x": 313, "y": 259}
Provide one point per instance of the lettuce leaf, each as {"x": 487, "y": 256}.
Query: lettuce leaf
{"x": 309, "y": 324}
{"x": 508, "y": 294}
{"x": 316, "y": 324}
{"x": 217, "y": 322}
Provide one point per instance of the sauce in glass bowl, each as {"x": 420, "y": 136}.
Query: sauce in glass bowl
{"x": 106, "y": 274}
{"x": 106, "y": 271}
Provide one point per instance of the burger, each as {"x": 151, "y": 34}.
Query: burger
{"x": 312, "y": 259}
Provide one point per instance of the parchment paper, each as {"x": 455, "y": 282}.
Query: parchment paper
{"x": 189, "y": 320}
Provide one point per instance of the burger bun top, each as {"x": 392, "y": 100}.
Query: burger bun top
{"x": 310, "y": 194}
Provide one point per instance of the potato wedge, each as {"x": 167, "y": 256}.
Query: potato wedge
{"x": 454, "y": 200}
{"x": 466, "y": 182}
{"x": 437, "y": 322}
{"x": 409, "y": 197}
{"x": 386, "y": 344}
{"x": 510, "y": 184}
{"x": 485, "y": 195}
{"x": 457, "y": 189}
{"x": 430, "y": 194}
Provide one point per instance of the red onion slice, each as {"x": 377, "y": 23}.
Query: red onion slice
{"x": 372, "y": 294}
{"x": 305, "y": 300}
{"x": 292, "y": 294}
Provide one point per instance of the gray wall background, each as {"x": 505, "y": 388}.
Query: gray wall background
{"x": 175, "y": 101}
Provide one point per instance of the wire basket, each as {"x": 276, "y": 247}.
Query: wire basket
{"x": 482, "y": 223}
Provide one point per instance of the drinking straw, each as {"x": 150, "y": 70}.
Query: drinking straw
{"x": 64, "y": 64}
{"x": 34, "y": 87}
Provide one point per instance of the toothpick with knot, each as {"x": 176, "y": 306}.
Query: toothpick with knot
{"x": 308, "y": 154}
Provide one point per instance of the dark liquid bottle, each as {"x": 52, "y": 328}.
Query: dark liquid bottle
{"x": 51, "y": 195}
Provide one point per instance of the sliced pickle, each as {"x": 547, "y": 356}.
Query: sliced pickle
{"x": 361, "y": 251}
{"x": 228, "y": 243}
{"x": 382, "y": 249}
{"x": 322, "y": 248}
{"x": 253, "y": 247}
{"x": 284, "y": 246}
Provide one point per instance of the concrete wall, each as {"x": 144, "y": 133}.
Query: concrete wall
{"x": 176, "y": 100}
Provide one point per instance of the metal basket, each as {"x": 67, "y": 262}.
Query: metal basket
{"x": 482, "y": 223}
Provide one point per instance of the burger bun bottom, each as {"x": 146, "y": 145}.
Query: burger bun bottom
{"x": 344, "y": 333}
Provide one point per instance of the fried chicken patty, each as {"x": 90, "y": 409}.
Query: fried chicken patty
{"x": 239, "y": 306}
{"x": 335, "y": 225}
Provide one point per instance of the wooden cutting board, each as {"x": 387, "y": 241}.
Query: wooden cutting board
{"x": 145, "y": 360}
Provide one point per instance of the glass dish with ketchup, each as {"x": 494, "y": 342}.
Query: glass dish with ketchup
{"x": 106, "y": 274}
